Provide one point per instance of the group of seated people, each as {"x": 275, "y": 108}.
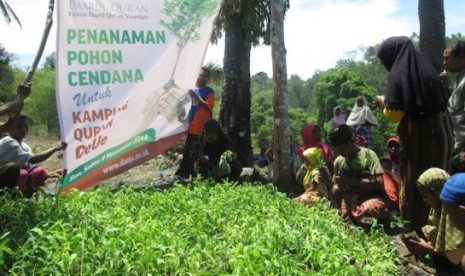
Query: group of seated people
{"x": 353, "y": 181}
{"x": 359, "y": 184}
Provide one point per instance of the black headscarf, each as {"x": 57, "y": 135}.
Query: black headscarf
{"x": 223, "y": 142}
{"x": 413, "y": 84}
{"x": 216, "y": 149}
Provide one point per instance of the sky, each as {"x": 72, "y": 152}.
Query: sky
{"x": 318, "y": 33}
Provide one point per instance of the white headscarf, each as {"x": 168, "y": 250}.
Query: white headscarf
{"x": 361, "y": 114}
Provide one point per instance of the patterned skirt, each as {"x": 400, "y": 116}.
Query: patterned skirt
{"x": 425, "y": 143}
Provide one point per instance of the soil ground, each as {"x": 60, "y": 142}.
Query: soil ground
{"x": 159, "y": 170}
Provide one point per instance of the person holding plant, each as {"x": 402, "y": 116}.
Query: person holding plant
{"x": 441, "y": 237}
{"x": 203, "y": 100}
{"x": 358, "y": 187}
{"x": 316, "y": 182}
{"x": 13, "y": 149}
{"x": 311, "y": 136}
{"x": 415, "y": 100}
{"x": 219, "y": 158}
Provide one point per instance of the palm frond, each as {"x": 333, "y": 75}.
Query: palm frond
{"x": 4, "y": 11}
{"x": 13, "y": 14}
{"x": 8, "y": 13}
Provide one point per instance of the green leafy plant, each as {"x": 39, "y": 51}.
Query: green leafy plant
{"x": 202, "y": 229}
{"x": 4, "y": 249}
{"x": 225, "y": 158}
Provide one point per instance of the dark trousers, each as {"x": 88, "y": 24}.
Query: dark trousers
{"x": 186, "y": 168}
{"x": 9, "y": 175}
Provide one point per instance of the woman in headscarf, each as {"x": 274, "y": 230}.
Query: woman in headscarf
{"x": 216, "y": 143}
{"x": 414, "y": 98}
{"x": 393, "y": 154}
{"x": 441, "y": 237}
{"x": 316, "y": 181}
{"x": 338, "y": 119}
{"x": 311, "y": 136}
{"x": 361, "y": 118}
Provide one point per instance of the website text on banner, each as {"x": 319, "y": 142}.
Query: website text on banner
{"x": 124, "y": 69}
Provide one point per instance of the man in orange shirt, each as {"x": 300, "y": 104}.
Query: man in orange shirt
{"x": 203, "y": 100}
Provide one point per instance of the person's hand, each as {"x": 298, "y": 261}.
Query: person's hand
{"x": 341, "y": 182}
{"x": 444, "y": 78}
{"x": 378, "y": 101}
{"x": 419, "y": 246}
{"x": 204, "y": 160}
{"x": 61, "y": 146}
{"x": 56, "y": 174}
{"x": 336, "y": 178}
{"x": 193, "y": 95}
{"x": 24, "y": 90}
{"x": 346, "y": 182}
{"x": 224, "y": 170}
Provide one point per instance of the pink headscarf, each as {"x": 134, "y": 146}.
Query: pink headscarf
{"x": 310, "y": 142}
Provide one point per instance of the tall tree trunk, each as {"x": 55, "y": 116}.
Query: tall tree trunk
{"x": 48, "y": 27}
{"x": 432, "y": 30}
{"x": 234, "y": 113}
{"x": 282, "y": 175}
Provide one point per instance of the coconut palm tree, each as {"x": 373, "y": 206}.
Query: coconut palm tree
{"x": 43, "y": 42}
